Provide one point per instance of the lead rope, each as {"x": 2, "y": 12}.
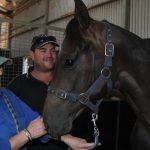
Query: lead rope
{"x": 11, "y": 110}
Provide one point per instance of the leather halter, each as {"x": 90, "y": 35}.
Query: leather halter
{"x": 104, "y": 78}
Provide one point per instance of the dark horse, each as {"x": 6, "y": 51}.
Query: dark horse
{"x": 97, "y": 58}
{"x": 147, "y": 44}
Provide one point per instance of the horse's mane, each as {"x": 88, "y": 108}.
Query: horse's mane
{"x": 138, "y": 42}
{"x": 124, "y": 31}
{"x": 73, "y": 32}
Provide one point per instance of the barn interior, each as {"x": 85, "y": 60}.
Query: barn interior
{"x": 20, "y": 20}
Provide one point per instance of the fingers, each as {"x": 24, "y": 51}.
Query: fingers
{"x": 37, "y": 128}
{"x": 87, "y": 146}
{"x": 77, "y": 143}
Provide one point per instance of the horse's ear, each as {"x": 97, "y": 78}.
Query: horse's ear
{"x": 81, "y": 14}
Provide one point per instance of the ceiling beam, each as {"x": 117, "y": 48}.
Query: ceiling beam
{"x": 5, "y": 12}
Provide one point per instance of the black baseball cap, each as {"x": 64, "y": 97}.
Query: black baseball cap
{"x": 41, "y": 40}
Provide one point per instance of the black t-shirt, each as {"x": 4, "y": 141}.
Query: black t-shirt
{"x": 33, "y": 92}
{"x": 30, "y": 90}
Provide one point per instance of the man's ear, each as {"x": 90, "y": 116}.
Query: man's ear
{"x": 31, "y": 54}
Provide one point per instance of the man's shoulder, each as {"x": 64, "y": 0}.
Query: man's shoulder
{"x": 19, "y": 78}
{"x": 17, "y": 81}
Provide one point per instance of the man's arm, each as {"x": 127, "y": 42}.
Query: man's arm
{"x": 34, "y": 130}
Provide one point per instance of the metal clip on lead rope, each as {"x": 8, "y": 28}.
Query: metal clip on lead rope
{"x": 96, "y": 131}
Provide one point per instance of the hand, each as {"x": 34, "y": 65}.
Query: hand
{"x": 76, "y": 143}
{"x": 36, "y": 128}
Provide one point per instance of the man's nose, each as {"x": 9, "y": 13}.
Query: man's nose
{"x": 49, "y": 52}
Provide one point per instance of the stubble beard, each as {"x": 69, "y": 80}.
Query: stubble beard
{"x": 46, "y": 69}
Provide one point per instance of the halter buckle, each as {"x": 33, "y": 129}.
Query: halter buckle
{"x": 109, "y": 49}
{"x": 61, "y": 94}
{"x": 83, "y": 98}
{"x": 105, "y": 72}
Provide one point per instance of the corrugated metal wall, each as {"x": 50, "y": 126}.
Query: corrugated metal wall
{"x": 140, "y": 17}
{"x": 111, "y": 11}
{"x": 135, "y": 12}
{"x": 57, "y": 13}
{"x": 99, "y": 10}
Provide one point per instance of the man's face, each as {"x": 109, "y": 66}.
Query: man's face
{"x": 44, "y": 58}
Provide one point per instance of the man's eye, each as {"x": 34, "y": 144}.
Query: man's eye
{"x": 54, "y": 51}
{"x": 42, "y": 50}
{"x": 68, "y": 63}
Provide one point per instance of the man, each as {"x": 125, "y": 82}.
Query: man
{"x": 32, "y": 87}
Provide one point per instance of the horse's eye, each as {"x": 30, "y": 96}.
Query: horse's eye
{"x": 68, "y": 63}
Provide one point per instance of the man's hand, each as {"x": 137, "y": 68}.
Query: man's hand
{"x": 36, "y": 128}
{"x": 76, "y": 143}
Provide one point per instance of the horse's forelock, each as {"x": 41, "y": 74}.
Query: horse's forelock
{"x": 72, "y": 30}
{"x": 73, "y": 35}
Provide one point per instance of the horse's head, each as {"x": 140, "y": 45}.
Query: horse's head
{"x": 77, "y": 67}
{"x": 83, "y": 66}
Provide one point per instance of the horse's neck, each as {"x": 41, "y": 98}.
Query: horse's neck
{"x": 136, "y": 97}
